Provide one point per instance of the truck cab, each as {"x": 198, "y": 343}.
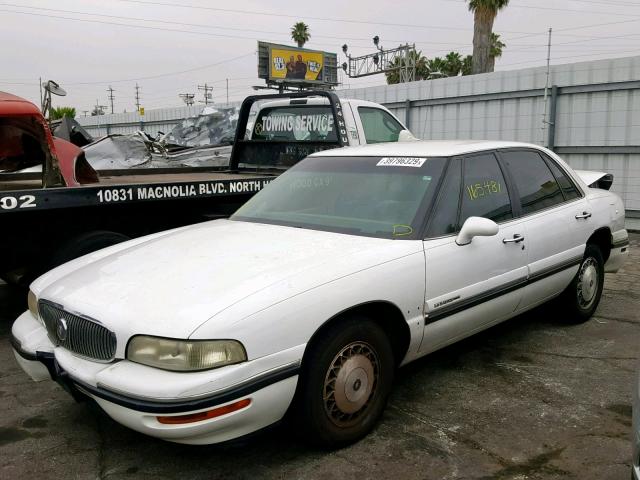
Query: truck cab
{"x": 311, "y": 119}
{"x": 26, "y": 141}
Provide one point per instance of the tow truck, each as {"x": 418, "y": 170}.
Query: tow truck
{"x": 68, "y": 209}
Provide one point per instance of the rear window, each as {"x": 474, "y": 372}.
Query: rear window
{"x": 311, "y": 123}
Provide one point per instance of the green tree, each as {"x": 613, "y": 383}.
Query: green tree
{"x": 437, "y": 68}
{"x": 422, "y": 72}
{"x": 467, "y": 65}
{"x": 59, "y": 112}
{"x": 453, "y": 64}
{"x": 484, "y": 14}
{"x": 496, "y": 50}
{"x": 300, "y": 33}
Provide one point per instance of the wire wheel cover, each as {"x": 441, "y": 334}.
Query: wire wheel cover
{"x": 588, "y": 280}
{"x": 350, "y": 383}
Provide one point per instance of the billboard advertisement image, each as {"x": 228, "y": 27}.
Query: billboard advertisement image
{"x": 296, "y": 64}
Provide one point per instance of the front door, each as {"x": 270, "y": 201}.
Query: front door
{"x": 470, "y": 287}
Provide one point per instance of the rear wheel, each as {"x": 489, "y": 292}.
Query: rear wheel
{"x": 582, "y": 296}
{"x": 345, "y": 383}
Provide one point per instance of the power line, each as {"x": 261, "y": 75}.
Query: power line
{"x": 160, "y": 75}
{"x": 298, "y": 16}
{"x": 173, "y": 22}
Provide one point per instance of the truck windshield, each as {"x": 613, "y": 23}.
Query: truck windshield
{"x": 385, "y": 197}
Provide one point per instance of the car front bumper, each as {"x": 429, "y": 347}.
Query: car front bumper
{"x": 270, "y": 391}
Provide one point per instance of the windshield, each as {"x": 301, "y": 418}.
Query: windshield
{"x": 371, "y": 196}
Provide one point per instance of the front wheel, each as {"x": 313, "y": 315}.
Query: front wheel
{"x": 582, "y": 296}
{"x": 345, "y": 382}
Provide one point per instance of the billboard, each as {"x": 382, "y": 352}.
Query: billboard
{"x": 288, "y": 63}
{"x": 284, "y": 64}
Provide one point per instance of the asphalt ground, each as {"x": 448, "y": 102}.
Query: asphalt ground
{"x": 531, "y": 398}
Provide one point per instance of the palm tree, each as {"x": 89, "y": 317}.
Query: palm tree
{"x": 422, "y": 72}
{"x": 59, "y": 112}
{"x": 437, "y": 68}
{"x": 453, "y": 64}
{"x": 495, "y": 50}
{"x": 300, "y": 33}
{"x": 484, "y": 14}
{"x": 467, "y": 65}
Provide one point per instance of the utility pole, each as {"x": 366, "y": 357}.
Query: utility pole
{"x": 207, "y": 96}
{"x": 111, "y": 97}
{"x": 187, "y": 98}
{"x": 98, "y": 110}
{"x": 227, "y": 92}
{"x": 85, "y": 112}
{"x": 546, "y": 88}
{"x": 137, "y": 97}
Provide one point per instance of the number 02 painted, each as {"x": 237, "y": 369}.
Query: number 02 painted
{"x": 24, "y": 201}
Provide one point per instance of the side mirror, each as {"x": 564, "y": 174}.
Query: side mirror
{"x": 476, "y": 227}
{"x": 406, "y": 136}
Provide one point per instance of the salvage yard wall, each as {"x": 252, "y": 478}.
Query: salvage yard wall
{"x": 593, "y": 113}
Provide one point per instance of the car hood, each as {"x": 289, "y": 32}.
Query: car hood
{"x": 171, "y": 284}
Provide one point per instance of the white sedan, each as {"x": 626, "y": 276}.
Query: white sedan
{"x": 354, "y": 262}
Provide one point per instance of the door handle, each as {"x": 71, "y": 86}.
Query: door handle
{"x": 584, "y": 215}
{"x": 517, "y": 238}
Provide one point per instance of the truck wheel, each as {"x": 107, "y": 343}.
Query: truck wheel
{"x": 345, "y": 382}
{"x": 582, "y": 296}
{"x": 86, "y": 243}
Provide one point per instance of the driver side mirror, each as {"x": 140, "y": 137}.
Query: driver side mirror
{"x": 476, "y": 227}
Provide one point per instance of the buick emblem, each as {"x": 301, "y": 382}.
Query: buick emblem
{"x": 61, "y": 329}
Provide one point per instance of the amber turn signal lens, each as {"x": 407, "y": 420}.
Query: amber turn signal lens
{"x": 199, "y": 417}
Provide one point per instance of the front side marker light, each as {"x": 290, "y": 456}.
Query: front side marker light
{"x": 207, "y": 415}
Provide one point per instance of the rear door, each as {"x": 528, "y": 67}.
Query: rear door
{"x": 471, "y": 287}
{"x": 553, "y": 218}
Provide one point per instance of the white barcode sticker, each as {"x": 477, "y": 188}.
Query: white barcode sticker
{"x": 415, "y": 162}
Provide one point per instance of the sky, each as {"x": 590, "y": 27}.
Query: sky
{"x": 169, "y": 47}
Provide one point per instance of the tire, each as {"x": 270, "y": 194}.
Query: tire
{"x": 582, "y": 296}
{"x": 84, "y": 244}
{"x": 345, "y": 383}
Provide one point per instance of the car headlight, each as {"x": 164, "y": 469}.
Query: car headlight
{"x": 184, "y": 355}
{"x": 32, "y": 301}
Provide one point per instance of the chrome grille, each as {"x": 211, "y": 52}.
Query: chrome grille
{"x": 77, "y": 334}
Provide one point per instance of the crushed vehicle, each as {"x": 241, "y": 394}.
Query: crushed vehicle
{"x": 202, "y": 141}
{"x": 351, "y": 264}
{"x": 69, "y": 208}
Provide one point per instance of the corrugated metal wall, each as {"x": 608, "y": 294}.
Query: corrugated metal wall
{"x": 597, "y": 118}
{"x": 163, "y": 119}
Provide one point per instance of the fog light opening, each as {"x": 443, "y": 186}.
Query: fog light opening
{"x": 207, "y": 415}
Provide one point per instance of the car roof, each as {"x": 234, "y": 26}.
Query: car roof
{"x": 422, "y": 148}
